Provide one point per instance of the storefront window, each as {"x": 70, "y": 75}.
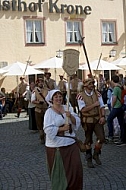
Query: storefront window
{"x": 109, "y": 32}
{"x": 73, "y": 31}
{"x": 34, "y": 31}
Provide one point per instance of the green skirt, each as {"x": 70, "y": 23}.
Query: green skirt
{"x": 65, "y": 167}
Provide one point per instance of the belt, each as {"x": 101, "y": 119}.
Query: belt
{"x": 73, "y": 92}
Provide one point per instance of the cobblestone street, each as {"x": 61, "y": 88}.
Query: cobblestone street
{"x": 23, "y": 162}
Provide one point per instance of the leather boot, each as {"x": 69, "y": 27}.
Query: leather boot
{"x": 96, "y": 156}
{"x": 18, "y": 112}
{"x": 89, "y": 158}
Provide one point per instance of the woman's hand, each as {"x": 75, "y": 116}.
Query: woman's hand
{"x": 65, "y": 127}
{"x": 68, "y": 114}
{"x": 72, "y": 118}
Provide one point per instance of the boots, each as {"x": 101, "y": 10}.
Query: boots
{"x": 96, "y": 156}
{"x": 18, "y": 112}
{"x": 89, "y": 158}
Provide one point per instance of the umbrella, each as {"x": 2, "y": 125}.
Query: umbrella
{"x": 19, "y": 68}
{"x": 103, "y": 65}
{"x": 121, "y": 62}
{"x": 54, "y": 62}
{"x": 2, "y": 71}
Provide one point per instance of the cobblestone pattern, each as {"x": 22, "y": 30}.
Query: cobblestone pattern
{"x": 23, "y": 162}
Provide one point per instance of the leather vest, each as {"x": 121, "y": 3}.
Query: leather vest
{"x": 22, "y": 88}
{"x": 61, "y": 86}
{"x": 74, "y": 84}
{"x": 91, "y": 116}
{"x": 38, "y": 92}
{"x": 49, "y": 84}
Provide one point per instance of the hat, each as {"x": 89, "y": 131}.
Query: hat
{"x": 50, "y": 95}
{"x": 39, "y": 79}
{"x": 88, "y": 81}
{"x": 47, "y": 73}
{"x": 89, "y": 75}
{"x": 22, "y": 77}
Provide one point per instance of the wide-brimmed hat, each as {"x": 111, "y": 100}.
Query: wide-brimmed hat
{"x": 21, "y": 78}
{"x": 88, "y": 81}
{"x": 60, "y": 75}
{"x": 47, "y": 73}
{"x": 39, "y": 80}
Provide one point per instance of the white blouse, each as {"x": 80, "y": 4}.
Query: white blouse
{"x": 52, "y": 122}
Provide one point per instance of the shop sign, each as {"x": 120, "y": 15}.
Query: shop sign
{"x": 19, "y": 5}
{"x": 70, "y": 9}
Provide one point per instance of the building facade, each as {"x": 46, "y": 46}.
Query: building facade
{"x": 39, "y": 28}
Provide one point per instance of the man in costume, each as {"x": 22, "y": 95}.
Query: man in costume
{"x": 38, "y": 98}
{"x": 73, "y": 91}
{"x": 49, "y": 82}
{"x": 92, "y": 111}
{"x": 22, "y": 91}
{"x": 62, "y": 88}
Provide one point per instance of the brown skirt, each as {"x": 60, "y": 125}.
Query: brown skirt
{"x": 65, "y": 167}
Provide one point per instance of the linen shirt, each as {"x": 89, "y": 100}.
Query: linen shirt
{"x": 81, "y": 102}
{"x": 28, "y": 97}
{"x": 52, "y": 122}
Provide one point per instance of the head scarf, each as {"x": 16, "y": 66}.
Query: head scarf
{"x": 50, "y": 95}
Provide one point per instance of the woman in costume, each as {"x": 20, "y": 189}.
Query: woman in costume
{"x": 63, "y": 156}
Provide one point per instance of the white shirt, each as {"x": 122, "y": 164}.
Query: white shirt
{"x": 52, "y": 121}
{"x": 33, "y": 97}
{"x": 81, "y": 102}
{"x": 28, "y": 97}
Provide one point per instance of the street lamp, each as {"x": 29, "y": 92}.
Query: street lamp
{"x": 59, "y": 53}
{"x": 112, "y": 53}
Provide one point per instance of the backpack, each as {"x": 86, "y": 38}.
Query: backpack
{"x": 123, "y": 94}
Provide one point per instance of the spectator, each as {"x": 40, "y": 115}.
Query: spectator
{"x": 22, "y": 90}
{"x": 116, "y": 109}
{"x": 2, "y": 103}
{"x": 109, "y": 94}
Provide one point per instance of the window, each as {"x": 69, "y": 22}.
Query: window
{"x": 73, "y": 30}
{"x": 3, "y": 64}
{"x": 34, "y": 32}
{"x": 109, "y": 33}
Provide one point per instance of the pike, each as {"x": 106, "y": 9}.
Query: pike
{"x": 81, "y": 41}
{"x": 27, "y": 65}
{"x": 85, "y": 52}
{"x": 97, "y": 69}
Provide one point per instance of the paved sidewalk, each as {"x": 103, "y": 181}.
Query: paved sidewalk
{"x": 11, "y": 117}
{"x": 23, "y": 161}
